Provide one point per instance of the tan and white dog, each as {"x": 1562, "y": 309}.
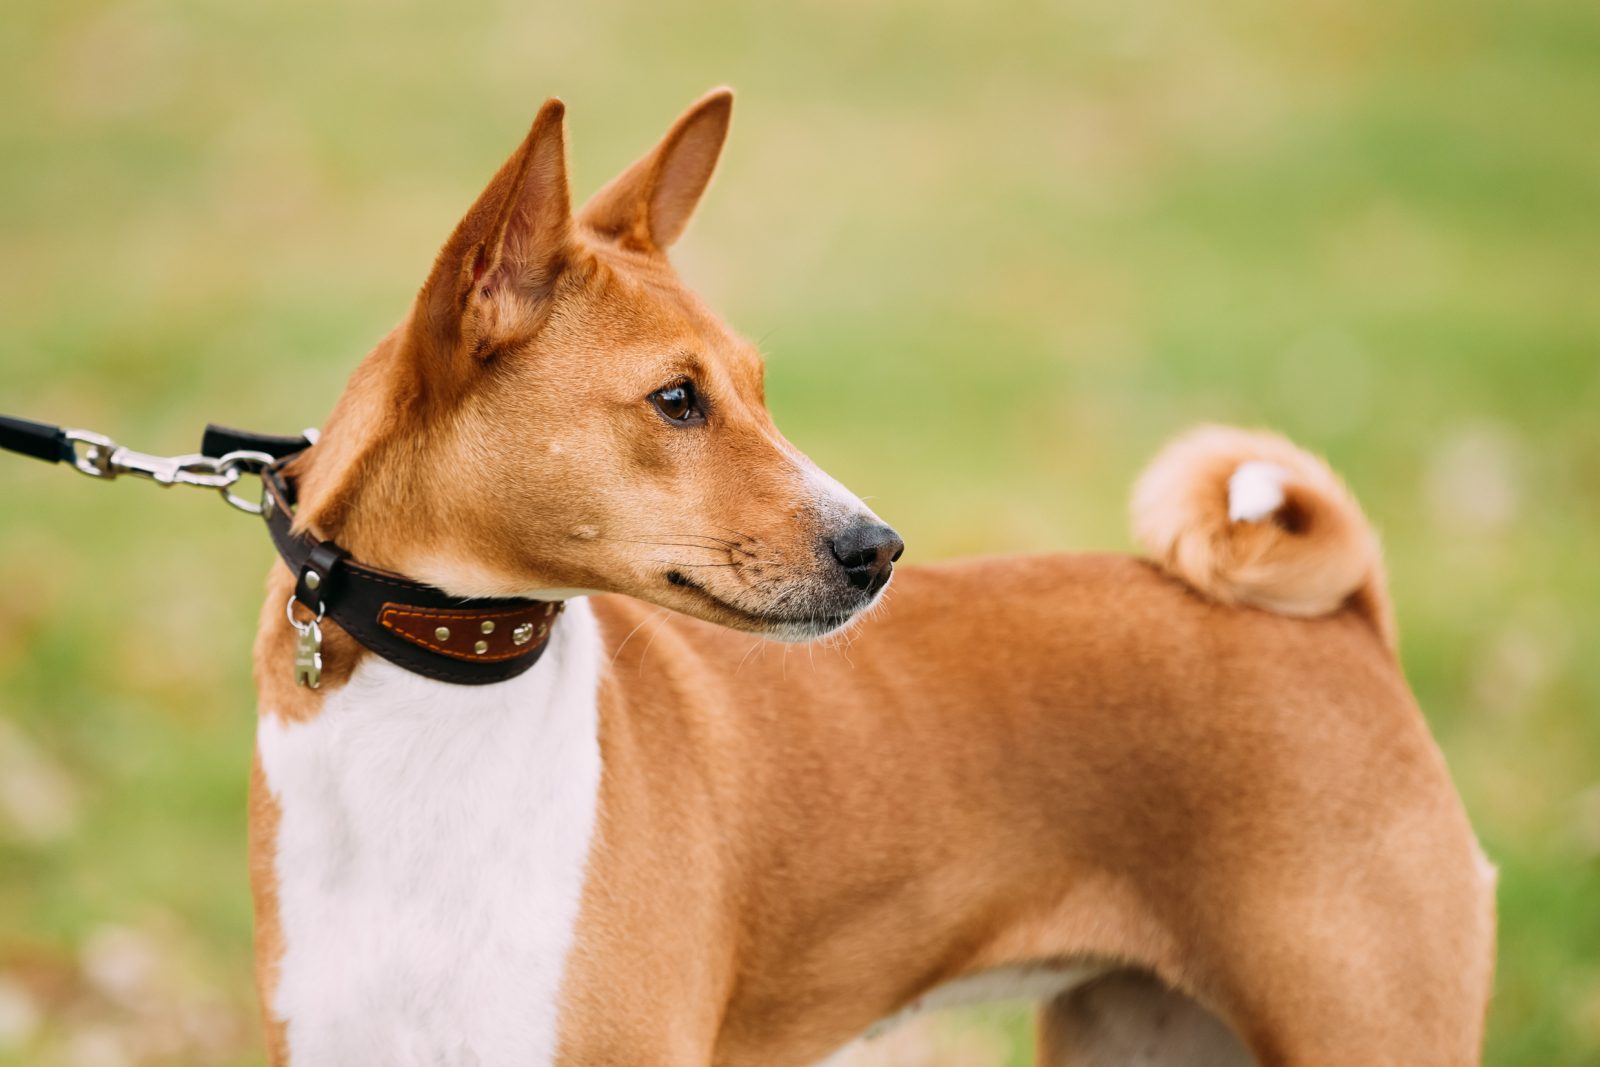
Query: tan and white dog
{"x": 1188, "y": 803}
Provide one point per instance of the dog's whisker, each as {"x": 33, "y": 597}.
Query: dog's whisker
{"x": 708, "y": 537}
{"x": 720, "y": 545}
{"x": 662, "y": 544}
{"x": 740, "y": 534}
{"x": 644, "y": 655}
{"x": 624, "y": 643}
{"x": 675, "y": 563}
{"x": 757, "y": 643}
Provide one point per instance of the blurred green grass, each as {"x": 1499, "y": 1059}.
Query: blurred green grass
{"x": 995, "y": 256}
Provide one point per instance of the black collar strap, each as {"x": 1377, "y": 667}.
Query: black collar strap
{"x": 415, "y": 626}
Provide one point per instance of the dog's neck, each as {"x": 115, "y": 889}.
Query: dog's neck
{"x": 345, "y": 493}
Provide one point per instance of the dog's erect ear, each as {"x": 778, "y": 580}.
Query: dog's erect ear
{"x": 647, "y": 206}
{"x": 494, "y": 275}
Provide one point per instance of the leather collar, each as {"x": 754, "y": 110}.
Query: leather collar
{"x": 412, "y": 625}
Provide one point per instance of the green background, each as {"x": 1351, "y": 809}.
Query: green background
{"x": 996, "y": 255}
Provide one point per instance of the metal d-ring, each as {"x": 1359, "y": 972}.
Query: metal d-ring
{"x": 239, "y": 464}
{"x": 301, "y": 627}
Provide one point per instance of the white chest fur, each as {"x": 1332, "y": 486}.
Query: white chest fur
{"x": 430, "y": 860}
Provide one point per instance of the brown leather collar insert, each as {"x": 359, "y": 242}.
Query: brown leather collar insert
{"x": 472, "y": 635}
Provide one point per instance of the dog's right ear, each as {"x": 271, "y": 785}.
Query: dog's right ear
{"x": 647, "y": 206}
{"x": 492, "y": 283}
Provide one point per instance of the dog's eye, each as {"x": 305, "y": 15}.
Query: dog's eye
{"x": 679, "y": 403}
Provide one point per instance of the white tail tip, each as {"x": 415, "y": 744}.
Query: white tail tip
{"x": 1255, "y": 491}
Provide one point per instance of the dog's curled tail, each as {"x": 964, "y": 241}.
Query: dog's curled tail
{"x": 1247, "y": 518}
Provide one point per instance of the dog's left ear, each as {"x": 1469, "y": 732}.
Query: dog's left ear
{"x": 647, "y": 206}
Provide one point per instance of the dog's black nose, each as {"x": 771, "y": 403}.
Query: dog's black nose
{"x": 867, "y": 549}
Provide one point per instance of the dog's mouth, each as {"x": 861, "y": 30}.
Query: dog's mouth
{"x": 784, "y": 626}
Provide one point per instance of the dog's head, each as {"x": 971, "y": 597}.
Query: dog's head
{"x": 558, "y": 412}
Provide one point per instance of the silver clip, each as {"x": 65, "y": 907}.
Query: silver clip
{"x": 91, "y": 453}
{"x": 99, "y": 456}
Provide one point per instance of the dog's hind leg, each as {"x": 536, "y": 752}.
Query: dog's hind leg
{"x": 1130, "y": 1019}
{"x": 1392, "y": 978}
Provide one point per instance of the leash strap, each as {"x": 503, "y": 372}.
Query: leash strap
{"x": 36, "y": 439}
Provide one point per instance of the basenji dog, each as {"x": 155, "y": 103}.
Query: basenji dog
{"x": 1185, "y": 801}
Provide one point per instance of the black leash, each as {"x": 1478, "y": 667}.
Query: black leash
{"x": 35, "y": 439}
{"x": 416, "y": 626}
